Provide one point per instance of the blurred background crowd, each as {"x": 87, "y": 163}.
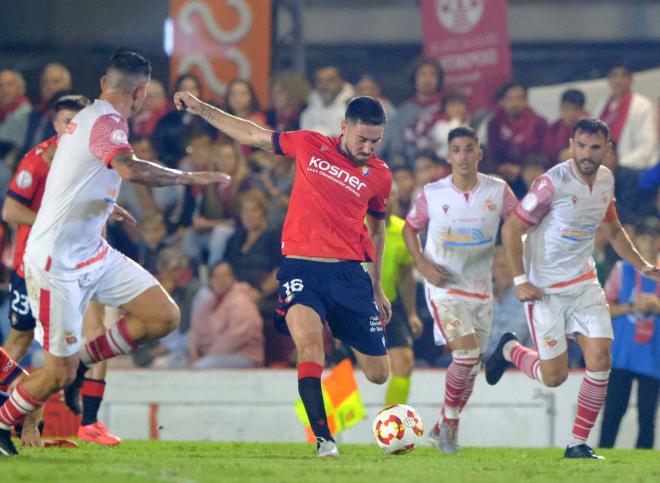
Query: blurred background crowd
{"x": 217, "y": 249}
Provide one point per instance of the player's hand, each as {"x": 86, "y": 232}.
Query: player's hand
{"x": 526, "y": 292}
{"x": 120, "y": 213}
{"x": 646, "y": 303}
{"x": 383, "y": 304}
{"x": 433, "y": 273}
{"x": 202, "y": 178}
{"x": 416, "y": 326}
{"x": 30, "y": 437}
{"x": 651, "y": 272}
{"x": 184, "y": 100}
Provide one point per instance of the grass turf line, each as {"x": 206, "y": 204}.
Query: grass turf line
{"x": 168, "y": 461}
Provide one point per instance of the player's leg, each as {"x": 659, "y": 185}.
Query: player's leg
{"x": 93, "y": 385}
{"x": 306, "y": 329}
{"x": 590, "y": 321}
{"x": 152, "y": 312}
{"x": 616, "y": 405}
{"x": 402, "y": 360}
{"x": 591, "y": 396}
{"x": 648, "y": 389}
{"x": 548, "y": 364}
{"x": 21, "y": 333}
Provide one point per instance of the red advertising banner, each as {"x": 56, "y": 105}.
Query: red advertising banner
{"x": 220, "y": 40}
{"x": 471, "y": 40}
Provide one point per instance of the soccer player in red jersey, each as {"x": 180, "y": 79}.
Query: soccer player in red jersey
{"x": 339, "y": 182}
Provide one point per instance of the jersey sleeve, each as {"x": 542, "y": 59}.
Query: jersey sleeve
{"x": 537, "y": 202}
{"x": 611, "y": 215}
{"x": 109, "y": 137}
{"x": 509, "y": 202}
{"x": 378, "y": 202}
{"x": 25, "y": 183}
{"x": 286, "y": 143}
{"x": 418, "y": 217}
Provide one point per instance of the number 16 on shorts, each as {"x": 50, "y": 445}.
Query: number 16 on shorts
{"x": 292, "y": 286}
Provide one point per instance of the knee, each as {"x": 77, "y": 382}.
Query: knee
{"x": 600, "y": 361}
{"x": 168, "y": 319}
{"x": 554, "y": 379}
{"x": 378, "y": 375}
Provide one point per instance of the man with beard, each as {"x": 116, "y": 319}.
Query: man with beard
{"x": 555, "y": 276}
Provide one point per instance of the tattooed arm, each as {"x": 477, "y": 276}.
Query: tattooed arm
{"x": 151, "y": 174}
{"x": 244, "y": 131}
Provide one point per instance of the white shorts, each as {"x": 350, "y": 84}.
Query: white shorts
{"x": 580, "y": 311}
{"x": 456, "y": 317}
{"x": 59, "y": 302}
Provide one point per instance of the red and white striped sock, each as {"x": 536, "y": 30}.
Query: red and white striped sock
{"x": 527, "y": 361}
{"x": 469, "y": 386}
{"x": 114, "y": 342}
{"x": 19, "y": 405}
{"x": 590, "y": 400}
{"x": 456, "y": 382}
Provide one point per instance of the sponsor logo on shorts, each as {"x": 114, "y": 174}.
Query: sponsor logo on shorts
{"x": 549, "y": 342}
{"x": 375, "y": 324}
{"x": 69, "y": 338}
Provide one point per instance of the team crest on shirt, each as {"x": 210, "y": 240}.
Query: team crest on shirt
{"x": 490, "y": 206}
{"x": 365, "y": 171}
{"x": 118, "y": 136}
{"x": 24, "y": 179}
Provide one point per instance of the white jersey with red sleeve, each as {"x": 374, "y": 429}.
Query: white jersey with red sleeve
{"x": 462, "y": 228}
{"x": 565, "y": 213}
{"x": 80, "y": 193}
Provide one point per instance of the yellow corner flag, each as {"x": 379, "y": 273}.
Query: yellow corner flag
{"x": 341, "y": 398}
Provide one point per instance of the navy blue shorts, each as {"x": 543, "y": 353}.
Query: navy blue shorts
{"x": 341, "y": 293}
{"x": 20, "y": 315}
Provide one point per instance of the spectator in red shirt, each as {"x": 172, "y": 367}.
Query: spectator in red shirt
{"x": 558, "y": 134}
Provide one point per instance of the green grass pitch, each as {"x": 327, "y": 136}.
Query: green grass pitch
{"x": 163, "y": 461}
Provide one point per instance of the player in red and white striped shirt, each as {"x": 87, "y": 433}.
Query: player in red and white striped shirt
{"x": 555, "y": 276}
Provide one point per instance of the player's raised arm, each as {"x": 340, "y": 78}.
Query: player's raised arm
{"x": 624, "y": 246}
{"x": 244, "y": 131}
{"x": 131, "y": 168}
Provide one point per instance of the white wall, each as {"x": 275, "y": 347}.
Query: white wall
{"x": 258, "y": 406}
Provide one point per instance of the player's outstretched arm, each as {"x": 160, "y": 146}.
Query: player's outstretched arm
{"x": 137, "y": 170}
{"x": 244, "y": 131}
{"x": 512, "y": 233}
{"x": 15, "y": 212}
{"x": 433, "y": 273}
{"x": 625, "y": 248}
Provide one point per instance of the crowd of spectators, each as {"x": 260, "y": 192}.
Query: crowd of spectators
{"x": 216, "y": 249}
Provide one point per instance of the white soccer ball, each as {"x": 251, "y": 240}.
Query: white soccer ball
{"x": 398, "y": 429}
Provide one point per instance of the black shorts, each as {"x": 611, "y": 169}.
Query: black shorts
{"x": 341, "y": 293}
{"x": 20, "y": 315}
{"x": 397, "y": 332}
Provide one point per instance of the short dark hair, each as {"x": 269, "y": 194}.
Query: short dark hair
{"x": 367, "y": 110}
{"x": 453, "y": 97}
{"x": 130, "y": 63}
{"x": 574, "y": 97}
{"x": 431, "y": 156}
{"x": 592, "y": 126}
{"x": 623, "y": 65}
{"x": 462, "y": 132}
{"x": 179, "y": 80}
{"x": 71, "y": 102}
{"x": 420, "y": 62}
{"x": 502, "y": 91}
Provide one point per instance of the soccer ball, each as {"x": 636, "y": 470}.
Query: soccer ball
{"x": 398, "y": 429}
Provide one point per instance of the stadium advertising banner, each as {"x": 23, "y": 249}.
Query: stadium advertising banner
{"x": 221, "y": 40}
{"x": 471, "y": 40}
